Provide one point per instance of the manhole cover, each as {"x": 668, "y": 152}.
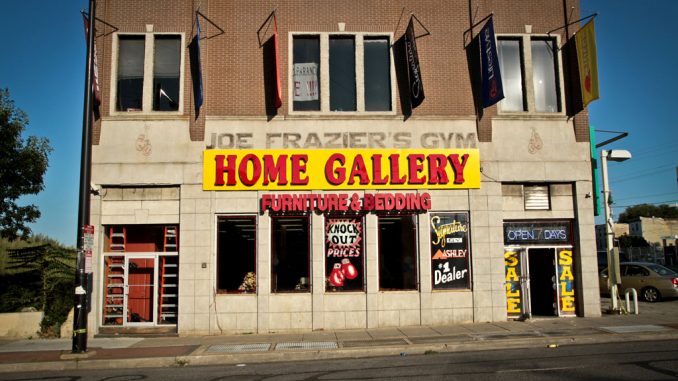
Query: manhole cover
{"x": 635, "y": 328}
{"x": 307, "y": 345}
{"x": 237, "y": 348}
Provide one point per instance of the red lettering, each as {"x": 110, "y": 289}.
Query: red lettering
{"x": 436, "y": 169}
{"x": 277, "y": 170}
{"x": 368, "y": 202}
{"x": 299, "y": 169}
{"x": 395, "y": 170}
{"x": 458, "y": 166}
{"x": 220, "y": 169}
{"x": 338, "y": 175}
{"x": 359, "y": 169}
{"x": 242, "y": 169}
{"x": 376, "y": 171}
{"x": 416, "y": 165}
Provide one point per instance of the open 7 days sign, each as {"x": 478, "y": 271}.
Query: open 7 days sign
{"x": 328, "y": 169}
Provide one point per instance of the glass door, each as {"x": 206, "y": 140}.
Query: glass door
{"x": 140, "y": 290}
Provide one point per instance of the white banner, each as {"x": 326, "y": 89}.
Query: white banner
{"x": 306, "y": 81}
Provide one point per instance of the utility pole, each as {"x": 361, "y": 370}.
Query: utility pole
{"x": 81, "y": 284}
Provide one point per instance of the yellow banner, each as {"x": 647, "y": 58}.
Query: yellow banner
{"x": 328, "y": 169}
{"x": 588, "y": 62}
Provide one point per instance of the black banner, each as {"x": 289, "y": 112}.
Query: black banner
{"x": 537, "y": 232}
{"x": 450, "y": 252}
{"x": 413, "y": 70}
{"x": 344, "y": 248}
{"x": 493, "y": 91}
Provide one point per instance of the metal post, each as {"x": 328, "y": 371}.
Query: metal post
{"x": 612, "y": 276}
{"x": 80, "y": 299}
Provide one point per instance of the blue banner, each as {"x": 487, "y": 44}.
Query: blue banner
{"x": 198, "y": 89}
{"x": 493, "y": 91}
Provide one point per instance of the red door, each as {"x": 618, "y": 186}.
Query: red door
{"x": 140, "y": 290}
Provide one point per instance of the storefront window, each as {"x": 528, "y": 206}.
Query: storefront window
{"x": 397, "y": 252}
{"x": 306, "y": 57}
{"x": 342, "y": 73}
{"x": 290, "y": 254}
{"x": 450, "y": 254}
{"x": 344, "y": 253}
{"x": 236, "y": 254}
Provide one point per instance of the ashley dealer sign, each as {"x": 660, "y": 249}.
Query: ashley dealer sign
{"x": 326, "y": 169}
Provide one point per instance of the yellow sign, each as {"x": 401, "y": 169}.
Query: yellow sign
{"x": 588, "y": 62}
{"x": 327, "y": 169}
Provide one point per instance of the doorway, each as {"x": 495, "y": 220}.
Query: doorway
{"x": 140, "y": 293}
{"x": 542, "y": 273}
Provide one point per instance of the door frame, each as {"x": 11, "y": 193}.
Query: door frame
{"x": 155, "y": 284}
{"x": 524, "y": 257}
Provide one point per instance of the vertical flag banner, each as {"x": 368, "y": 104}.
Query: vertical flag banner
{"x": 278, "y": 97}
{"x": 199, "y": 95}
{"x": 95, "y": 76}
{"x": 588, "y": 62}
{"x": 413, "y": 72}
{"x": 493, "y": 91}
{"x": 594, "y": 172}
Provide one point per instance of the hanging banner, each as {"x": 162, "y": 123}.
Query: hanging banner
{"x": 512, "y": 271}
{"x": 493, "y": 91}
{"x": 450, "y": 254}
{"x": 344, "y": 253}
{"x": 588, "y": 62}
{"x": 566, "y": 298}
{"x": 358, "y": 169}
{"x": 278, "y": 97}
{"x": 413, "y": 68}
{"x": 306, "y": 81}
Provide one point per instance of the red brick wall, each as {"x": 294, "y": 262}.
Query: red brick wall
{"x": 232, "y": 62}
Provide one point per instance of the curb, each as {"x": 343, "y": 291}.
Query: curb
{"x": 201, "y": 359}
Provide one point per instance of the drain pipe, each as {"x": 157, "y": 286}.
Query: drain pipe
{"x": 635, "y": 300}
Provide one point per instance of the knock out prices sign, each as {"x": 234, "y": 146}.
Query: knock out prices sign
{"x": 344, "y": 260}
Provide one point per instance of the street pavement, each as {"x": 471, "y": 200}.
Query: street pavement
{"x": 656, "y": 321}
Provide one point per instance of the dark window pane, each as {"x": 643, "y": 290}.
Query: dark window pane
{"x": 377, "y": 75}
{"x": 166, "y": 67}
{"x": 397, "y": 253}
{"x": 511, "y": 67}
{"x": 306, "y": 91}
{"x": 236, "y": 254}
{"x": 290, "y": 268}
{"x": 546, "y": 95}
{"x": 130, "y": 73}
{"x": 342, "y": 74}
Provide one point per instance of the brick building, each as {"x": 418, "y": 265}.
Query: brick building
{"x": 220, "y": 217}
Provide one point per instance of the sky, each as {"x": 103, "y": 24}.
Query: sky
{"x": 43, "y": 67}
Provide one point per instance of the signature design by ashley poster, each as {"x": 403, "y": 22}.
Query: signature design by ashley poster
{"x": 450, "y": 251}
{"x": 344, "y": 268}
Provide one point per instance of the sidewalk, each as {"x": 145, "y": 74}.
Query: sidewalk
{"x": 657, "y": 321}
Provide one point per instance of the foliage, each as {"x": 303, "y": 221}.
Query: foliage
{"x": 41, "y": 276}
{"x": 646, "y": 210}
{"x": 23, "y": 163}
{"x": 632, "y": 241}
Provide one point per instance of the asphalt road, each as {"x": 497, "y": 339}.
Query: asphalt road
{"x": 652, "y": 360}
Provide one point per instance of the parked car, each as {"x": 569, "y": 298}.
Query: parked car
{"x": 653, "y": 282}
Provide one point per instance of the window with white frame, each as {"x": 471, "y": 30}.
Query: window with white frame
{"x": 357, "y": 76}
{"x": 148, "y": 72}
{"x": 530, "y": 74}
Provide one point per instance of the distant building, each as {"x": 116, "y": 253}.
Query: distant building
{"x": 654, "y": 229}
{"x": 620, "y": 229}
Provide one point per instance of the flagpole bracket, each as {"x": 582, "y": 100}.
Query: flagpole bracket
{"x": 221, "y": 31}
{"x": 265, "y": 24}
{"x": 573, "y": 22}
{"x": 115, "y": 28}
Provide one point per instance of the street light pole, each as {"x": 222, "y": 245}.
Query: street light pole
{"x": 612, "y": 255}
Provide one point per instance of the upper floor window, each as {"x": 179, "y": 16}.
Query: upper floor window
{"x": 148, "y": 76}
{"x": 530, "y": 74}
{"x": 356, "y": 77}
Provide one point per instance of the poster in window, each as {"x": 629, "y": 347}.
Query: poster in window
{"x": 450, "y": 251}
{"x": 306, "y": 81}
{"x": 344, "y": 249}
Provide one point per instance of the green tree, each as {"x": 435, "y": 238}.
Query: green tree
{"x": 23, "y": 163}
{"x": 646, "y": 210}
{"x": 632, "y": 241}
